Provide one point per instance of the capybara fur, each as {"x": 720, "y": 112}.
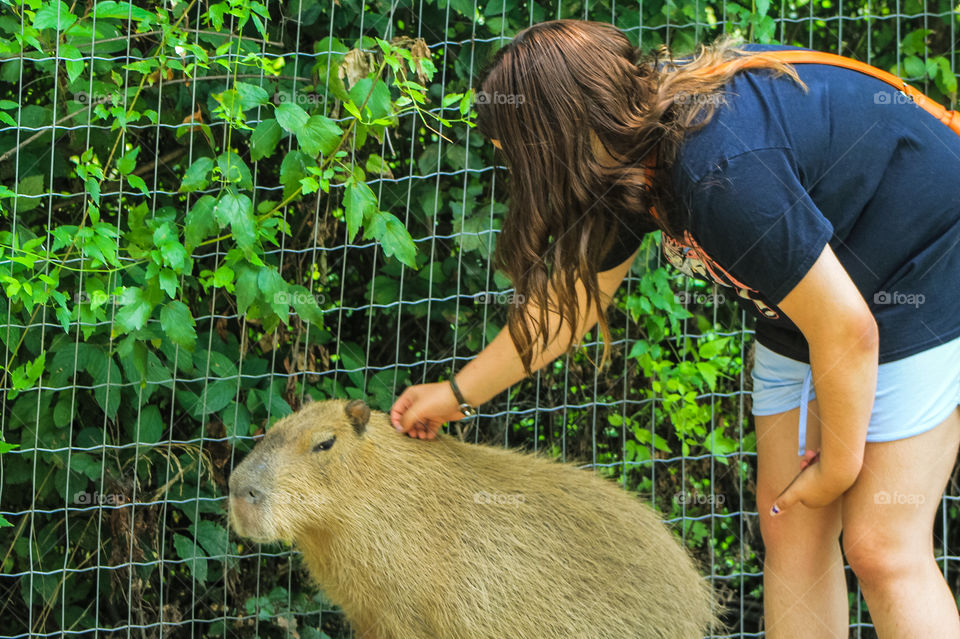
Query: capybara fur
{"x": 446, "y": 540}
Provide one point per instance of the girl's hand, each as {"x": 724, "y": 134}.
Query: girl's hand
{"x": 421, "y": 410}
{"x": 812, "y": 487}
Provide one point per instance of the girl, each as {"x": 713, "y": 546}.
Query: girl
{"x": 830, "y": 205}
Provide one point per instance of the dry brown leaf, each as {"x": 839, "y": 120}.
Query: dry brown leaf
{"x": 420, "y": 51}
{"x": 355, "y": 66}
{"x": 195, "y": 117}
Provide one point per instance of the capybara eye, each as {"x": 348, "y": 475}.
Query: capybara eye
{"x": 324, "y": 445}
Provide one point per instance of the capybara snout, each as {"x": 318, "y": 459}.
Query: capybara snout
{"x": 424, "y": 539}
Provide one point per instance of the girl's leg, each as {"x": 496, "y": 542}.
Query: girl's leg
{"x": 804, "y": 588}
{"x": 888, "y": 519}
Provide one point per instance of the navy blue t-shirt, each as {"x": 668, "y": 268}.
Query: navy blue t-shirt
{"x": 778, "y": 173}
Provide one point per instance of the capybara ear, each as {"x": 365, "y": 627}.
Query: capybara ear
{"x": 359, "y": 414}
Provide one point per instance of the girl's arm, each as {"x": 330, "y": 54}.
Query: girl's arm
{"x": 421, "y": 410}
{"x": 842, "y": 335}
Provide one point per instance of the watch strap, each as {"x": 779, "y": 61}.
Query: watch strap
{"x": 464, "y": 407}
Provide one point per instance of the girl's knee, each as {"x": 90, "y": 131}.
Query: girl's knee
{"x": 875, "y": 556}
{"x": 800, "y": 535}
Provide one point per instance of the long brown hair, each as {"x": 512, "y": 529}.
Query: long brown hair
{"x": 543, "y": 96}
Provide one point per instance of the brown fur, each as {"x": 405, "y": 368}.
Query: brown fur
{"x": 442, "y": 539}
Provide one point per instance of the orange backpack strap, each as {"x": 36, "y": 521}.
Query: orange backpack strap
{"x": 937, "y": 110}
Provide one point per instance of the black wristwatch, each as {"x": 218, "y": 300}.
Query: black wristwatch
{"x": 464, "y": 407}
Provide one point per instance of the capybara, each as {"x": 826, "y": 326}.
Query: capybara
{"x": 446, "y": 540}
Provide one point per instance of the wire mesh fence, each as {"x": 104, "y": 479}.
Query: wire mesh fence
{"x": 180, "y": 271}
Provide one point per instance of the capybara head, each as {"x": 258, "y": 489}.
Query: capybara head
{"x": 292, "y": 474}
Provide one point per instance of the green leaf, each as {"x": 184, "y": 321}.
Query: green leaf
{"x": 106, "y": 379}
{"x": 914, "y": 67}
{"x": 128, "y": 162}
{"x": 709, "y": 350}
{"x": 709, "y": 373}
{"x": 223, "y": 277}
{"x": 378, "y": 104}
{"x": 264, "y": 139}
{"x": 359, "y": 203}
{"x": 236, "y": 210}
{"x": 291, "y": 117}
{"x": 946, "y": 80}
{"x": 216, "y": 364}
{"x": 196, "y": 176}
{"x": 319, "y": 135}
{"x": 305, "y": 304}
{"x": 377, "y": 166}
{"x": 275, "y": 291}
{"x": 251, "y": 95}
{"x": 26, "y": 375}
{"x": 394, "y": 238}
{"x": 137, "y": 182}
{"x": 293, "y": 169}
{"x": 151, "y": 425}
{"x": 235, "y": 170}
{"x": 246, "y": 288}
{"x": 30, "y": 185}
{"x": 74, "y": 61}
{"x": 54, "y": 15}
{"x": 178, "y": 324}
{"x": 211, "y": 536}
{"x": 121, "y": 11}
{"x": 168, "y": 282}
{"x": 215, "y": 396}
{"x": 499, "y": 7}
{"x": 85, "y": 465}
{"x": 134, "y": 311}
{"x": 200, "y": 223}
{"x": 193, "y": 555}
{"x": 93, "y": 188}
{"x": 914, "y": 43}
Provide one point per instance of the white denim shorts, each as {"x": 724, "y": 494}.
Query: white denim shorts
{"x": 914, "y": 394}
